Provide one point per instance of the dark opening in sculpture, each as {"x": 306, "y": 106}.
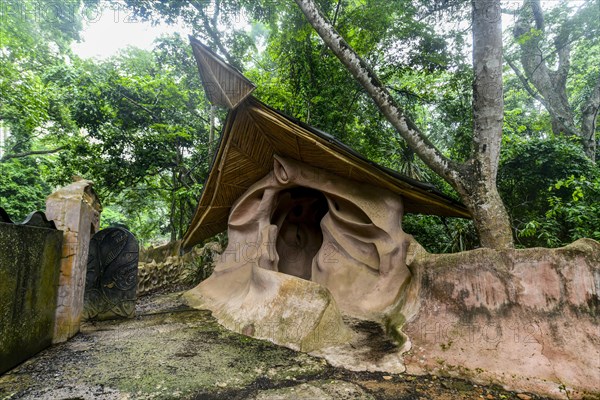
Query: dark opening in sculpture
{"x": 298, "y": 215}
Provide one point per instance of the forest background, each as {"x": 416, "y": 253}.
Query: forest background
{"x": 138, "y": 124}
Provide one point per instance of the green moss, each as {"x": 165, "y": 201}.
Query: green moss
{"x": 446, "y": 346}
{"x": 393, "y": 327}
{"x": 173, "y": 354}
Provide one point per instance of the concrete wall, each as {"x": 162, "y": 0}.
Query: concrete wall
{"x": 526, "y": 319}
{"x": 29, "y": 269}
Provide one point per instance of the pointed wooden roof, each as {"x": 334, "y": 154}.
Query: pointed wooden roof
{"x": 224, "y": 85}
{"x": 254, "y": 132}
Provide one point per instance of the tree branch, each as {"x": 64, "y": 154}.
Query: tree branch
{"x": 509, "y": 11}
{"x": 213, "y": 33}
{"x": 192, "y": 109}
{"x": 31, "y": 153}
{"x": 531, "y": 54}
{"x": 215, "y": 18}
{"x": 141, "y": 106}
{"x": 536, "y": 95}
{"x": 409, "y": 94}
{"x": 440, "y": 7}
{"x": 538, "y": 15}
{"x": 349, "y": 110}
{"x": 562, "y": 45}
{"x": 337, "y": 10}
{"x": 533, "y": 93}
{"x": 423, "y": 147}
{"x": 589, "y": 115}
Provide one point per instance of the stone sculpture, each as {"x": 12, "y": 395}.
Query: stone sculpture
{"x": 111, "y": 279}
{"x": 301, "y": 224}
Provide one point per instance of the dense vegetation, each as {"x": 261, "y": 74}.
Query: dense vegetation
{"x": 139, "y": 126}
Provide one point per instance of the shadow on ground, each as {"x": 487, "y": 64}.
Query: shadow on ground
{"x": 170, "y": 351}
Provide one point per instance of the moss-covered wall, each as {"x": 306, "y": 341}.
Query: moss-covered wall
{"x": 29, "y": 271}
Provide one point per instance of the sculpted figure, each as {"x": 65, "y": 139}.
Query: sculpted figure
{"x": 312, "y": 225}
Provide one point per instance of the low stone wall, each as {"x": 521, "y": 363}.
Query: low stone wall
{"x": 162, "y": 267}
{"x": 526, "y": 319}
{"x": 160, "y": 253}
{"x": 29, "y": 272}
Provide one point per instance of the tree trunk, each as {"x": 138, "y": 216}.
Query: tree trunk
{"x": 552, "y": 84}
{"x": 489, "y": 214}
{"x": 475, "y": 180}
{"x": 493, "y": 223}
{"x": 173, "y": 205}
{"x": 478, "y": 185}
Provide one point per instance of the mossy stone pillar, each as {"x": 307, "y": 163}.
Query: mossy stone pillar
{"x": 75, "y": 210}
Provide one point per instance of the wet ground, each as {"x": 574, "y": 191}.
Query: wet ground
{"x": 172, "y": 352}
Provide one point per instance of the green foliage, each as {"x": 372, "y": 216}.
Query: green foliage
{"x": 33, "y": 36}
{"x": 573, "y": 213}
{"x": 440, "y": 234}
{"x": 300, "y": 76}
{"x": 202, "y": 263}
{"x": 146, "y": 217}
{"x": 523, "y": 116}
{"x": 137, "y": 124}
{"x": 21, "y": 189}
{"x": 550, "y": 189}
{"x": 141, "y": 135}
{"x": 206, "y": 20}
{"x": 32, "y": 42}
{"x": 531, "y": 34}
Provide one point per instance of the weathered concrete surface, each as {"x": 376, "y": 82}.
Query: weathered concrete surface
{"x": 170, "y": 351}
{"x": 29, "y": 269}
{"x": 265, "y": 304}
{"x": 75, "y": 209}
{"x": 526, "y": 319}
{"x": 173, "y": 352}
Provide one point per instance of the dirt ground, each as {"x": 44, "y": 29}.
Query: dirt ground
{"x": 170, "y": 351}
